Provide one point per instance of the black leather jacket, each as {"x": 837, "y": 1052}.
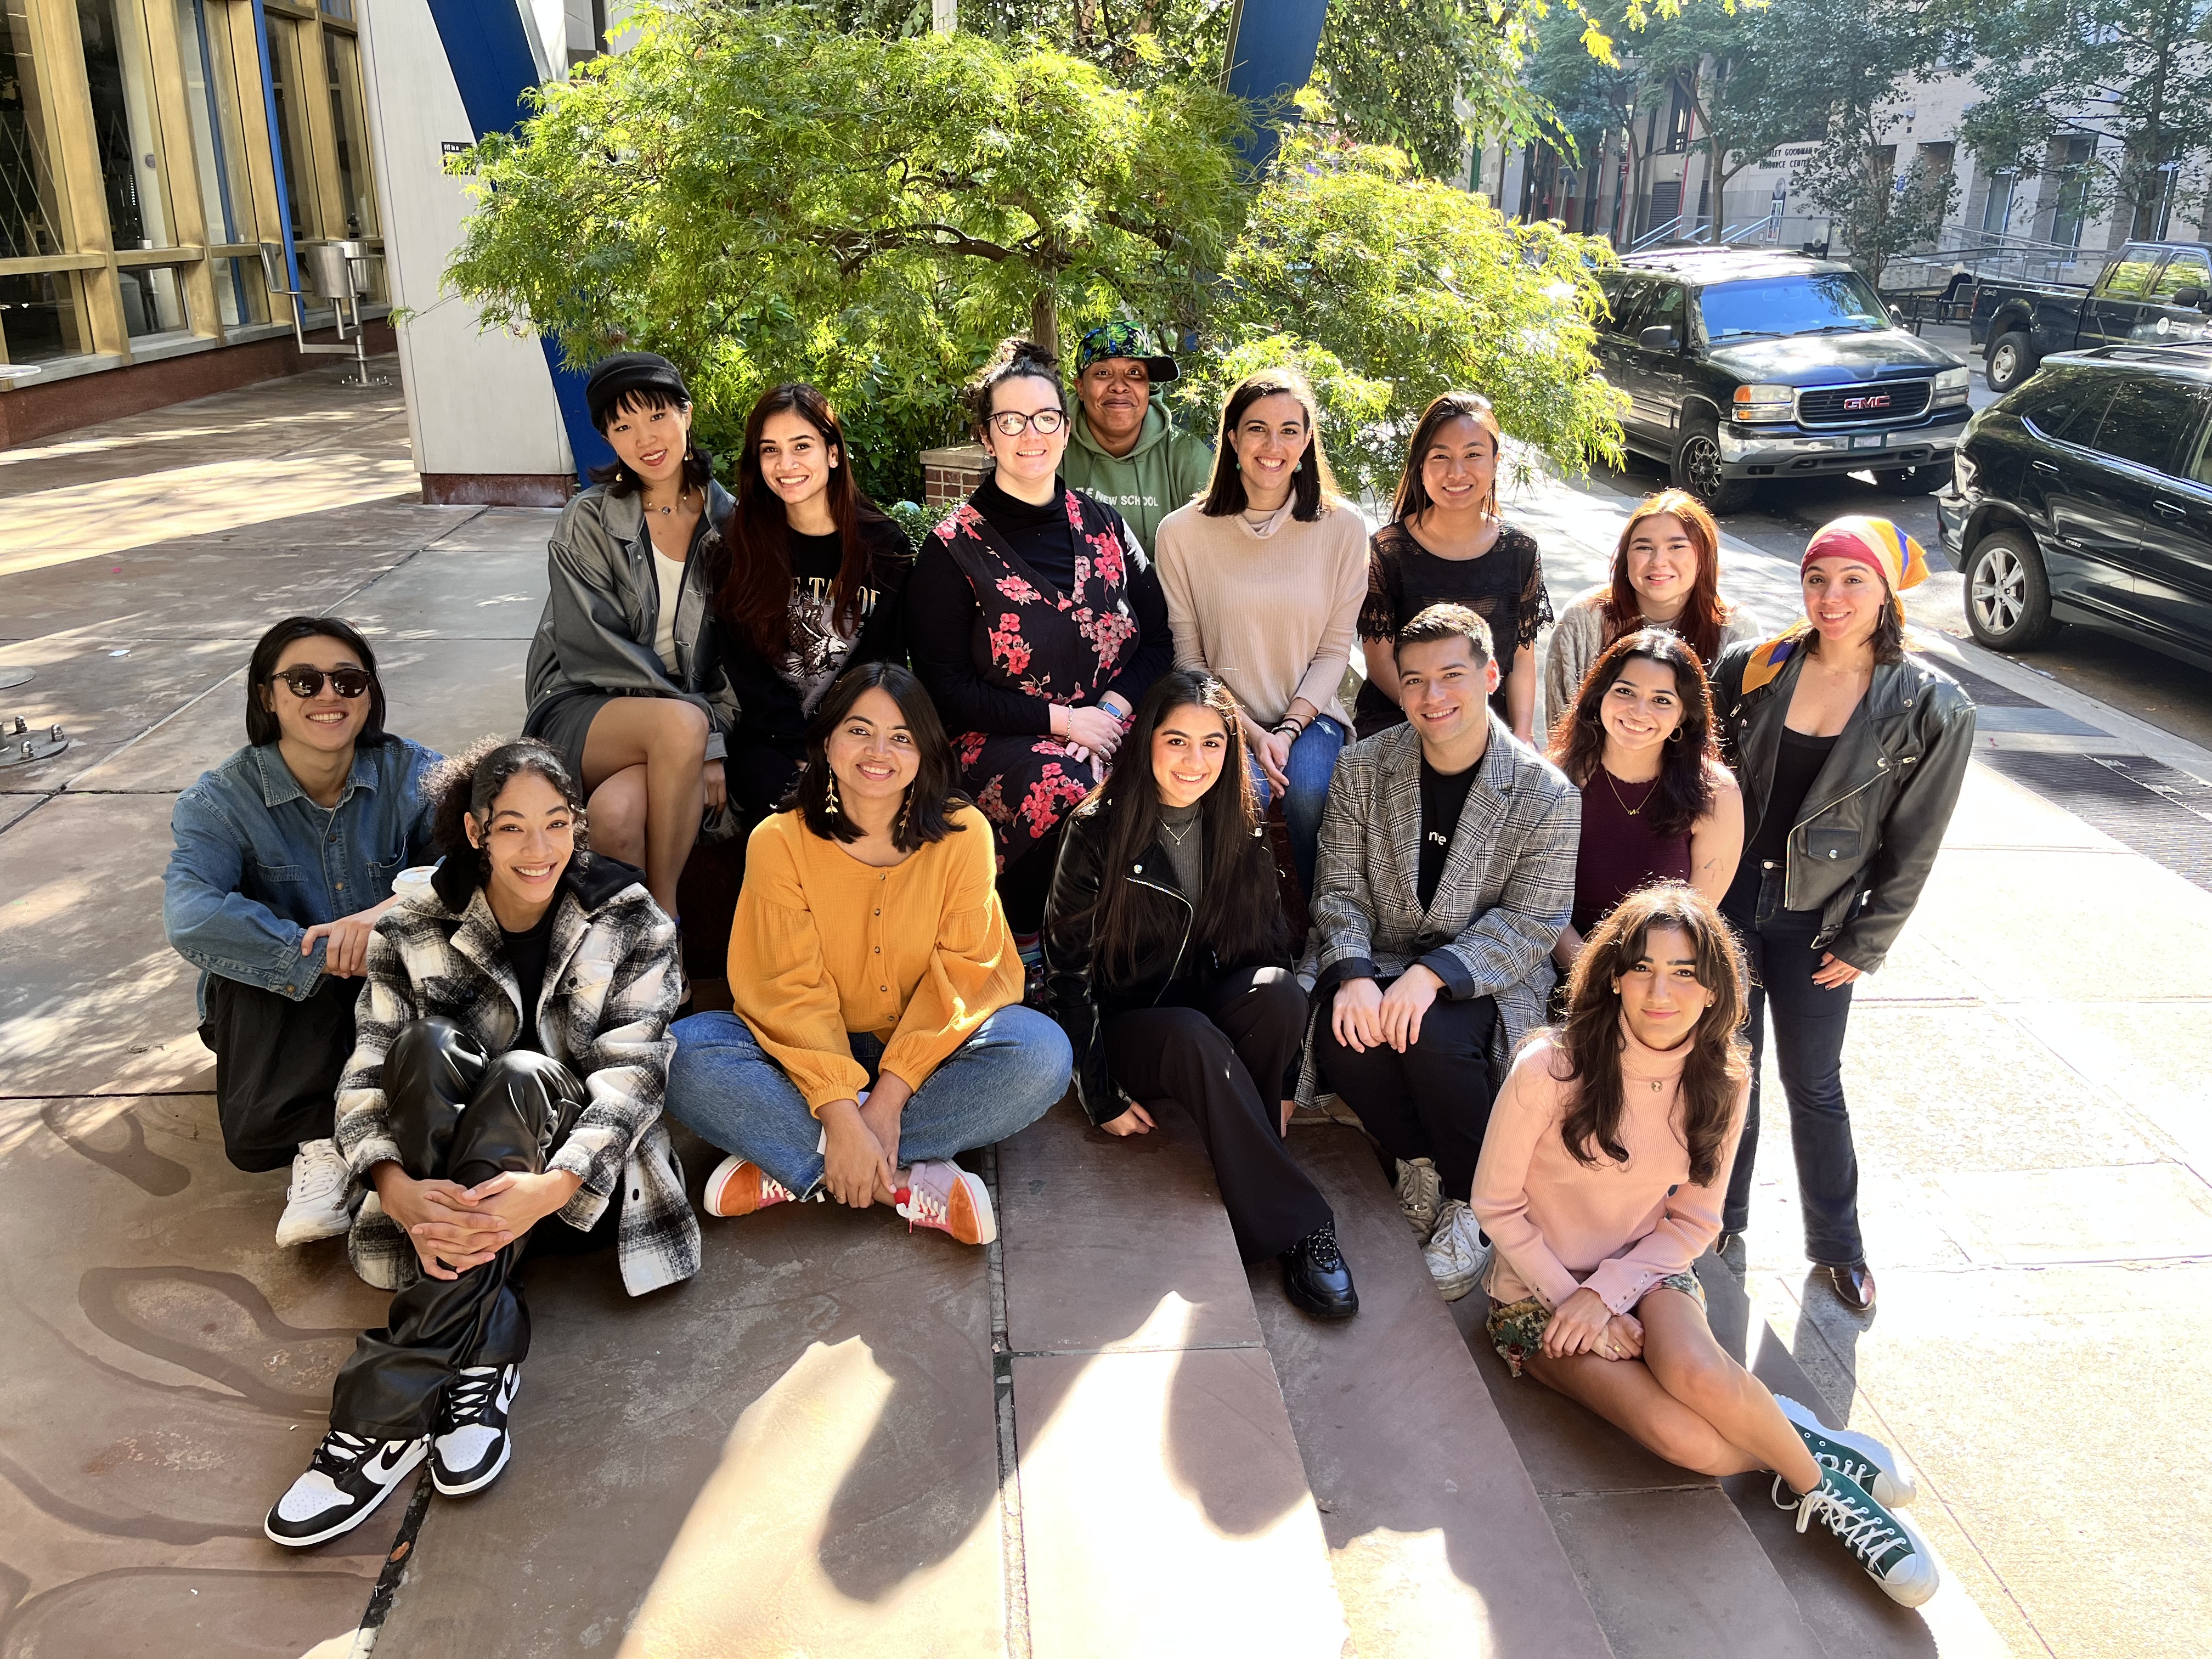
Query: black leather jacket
{"x": 1868, "y": 831}
{"x": 1168, "y": 955}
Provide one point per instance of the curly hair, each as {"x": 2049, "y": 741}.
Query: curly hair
{"x": 467, "y": 784}
{"x": 1690, "y": 760}
{"x": 1589, "y": 1038}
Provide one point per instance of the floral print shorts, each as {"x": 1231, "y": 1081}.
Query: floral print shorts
{"x": 1518, "y": 1327}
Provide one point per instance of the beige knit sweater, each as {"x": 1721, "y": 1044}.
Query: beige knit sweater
{"x": 1273, "y": 610}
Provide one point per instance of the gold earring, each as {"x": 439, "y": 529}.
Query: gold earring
{"x": 829, "y": 796}
{"x": 905, "y": 807}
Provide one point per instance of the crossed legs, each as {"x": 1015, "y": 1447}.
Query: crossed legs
{"x": 644, "y": 762}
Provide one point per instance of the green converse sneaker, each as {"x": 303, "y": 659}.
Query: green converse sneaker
{"x": 1865, "y": 1459}
{"x": 1894, "y": 1556}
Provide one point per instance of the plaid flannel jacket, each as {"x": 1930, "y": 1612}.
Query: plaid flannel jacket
{"x": 610, "y": 987}
{"x": 1507, "y": 890}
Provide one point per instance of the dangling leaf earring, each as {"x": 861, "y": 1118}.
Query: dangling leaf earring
{"x": 829, "y": 796}
{"x": 906, "y": 808}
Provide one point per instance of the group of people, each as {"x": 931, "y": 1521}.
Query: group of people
{"x": 1011, "y": 806}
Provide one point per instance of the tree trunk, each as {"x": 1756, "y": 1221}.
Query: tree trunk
{"x": 1044, "y": 316}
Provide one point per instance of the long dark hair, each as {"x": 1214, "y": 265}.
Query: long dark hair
{"x": 1689, "y": 760}
{"x": 698, "y": 464}
{"x": 1312, "y": 484}
{"x": 466, "y": 786}
{"x": 1590, "y": 1041}
{"x": 1704, "y": 613}
{"x": 755, "y": 592}
{"x": 935, "y": 790}
{"x": 1240, "y": 911}
{"x": 261, "y": 725}
{"x": 1413, "y": 498}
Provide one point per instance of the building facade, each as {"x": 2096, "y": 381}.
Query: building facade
{"x": 149, "y": 149}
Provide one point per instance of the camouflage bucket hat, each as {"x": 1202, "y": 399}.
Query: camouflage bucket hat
{"x": 1125, "y": 340}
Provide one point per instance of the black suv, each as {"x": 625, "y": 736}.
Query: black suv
{"x": 1742, "y": 366}
{"x": 2085, "y": 495}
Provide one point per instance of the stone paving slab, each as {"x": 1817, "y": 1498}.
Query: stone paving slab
{"x": 104, "y": 691}
{"x": 1437, "y": 1538}
{"x": 794, "y": 1451}
{"x": 464, "y": 587}
{"x": 167, "y": 1373}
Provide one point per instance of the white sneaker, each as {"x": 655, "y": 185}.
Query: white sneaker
{"x": 315, "y": 1202}
{"x": 1456, "y": 1254}
{"x": 1421, "y": 1190}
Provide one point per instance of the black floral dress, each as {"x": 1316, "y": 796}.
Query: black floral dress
{"x": 1033, "y": 638}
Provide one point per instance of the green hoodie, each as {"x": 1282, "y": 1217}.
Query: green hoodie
{"x": 1166, "y": 469}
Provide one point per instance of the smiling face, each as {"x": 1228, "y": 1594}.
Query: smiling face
{"x": 651, "y": 442}
{"x": 1115, "y": 392}
{"x": 1661, "y": 560}
{"x": 796, "y": 460}
{"x": 1029, "y": 457}
{"x": 1460, "y": 467}
{"x": 324, "y": 723}
{"x": 1659, "y": 991}
{"x": 872, "y": 753}
{"x": 1444, "y": 688}
{"x": 1845, "y": 599}
{"x": 1188, "y": 745}
{"x": 1270, "y": 439}
{"x": 530, "y": 835}
{"x": 1643, "y": 707}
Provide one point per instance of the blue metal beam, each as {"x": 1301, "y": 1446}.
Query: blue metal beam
{"x": 1272, "y": 43}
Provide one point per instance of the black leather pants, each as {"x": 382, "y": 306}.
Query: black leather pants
{"x": 460, "y": 1117}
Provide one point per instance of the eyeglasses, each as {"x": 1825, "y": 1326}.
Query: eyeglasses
{"x": 1009, "y": 423}
{"x": 308, "y": 681}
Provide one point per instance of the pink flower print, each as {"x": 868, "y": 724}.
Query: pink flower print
{"x": 971, "y": 748}
{"x": 1109, "y": 631}
{"x": 1017, "y": 591}
{"x": 991, "y": 802}
{"x": 1008, "y": 648}
{"x": 1048, "y": 798}
{"x": 965, "y": 517}
{"x": 1109, "y": 564}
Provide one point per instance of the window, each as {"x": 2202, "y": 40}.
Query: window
{"x": 2073, "y": 210}
{"x": 2067, "y": 407}
{"x": 1996, "y": 208}
{"x": 1838, "y": 301}
{"x": 126, "y": 129}
{"x": 212, "y": 98}
{"x": 30, "y": 217}
{"x": 285, "y": 85}
{"x": 2146, "y": 419}
{"x": 342, "y": 62}
{"x": 40, "y": 318}
{"x": 2201, "y": 471}
{"x": 1666, "y": 310}
{"x": 1625, "y": 299}
{"x": 2127, "y": 277}
{"x": 2186, "y": 268}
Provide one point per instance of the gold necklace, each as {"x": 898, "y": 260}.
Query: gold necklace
{"x": 1178, "y": 836}
{"x": 682, "y": 496}
{"x": 1632, "y": 811}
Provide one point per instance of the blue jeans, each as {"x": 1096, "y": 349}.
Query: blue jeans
{"x": 1312, "y": 764}
{"x": 1809, "y": 1024}
{"x": 726, "y": 1088}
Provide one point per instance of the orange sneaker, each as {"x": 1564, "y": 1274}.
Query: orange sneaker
{"x": 738, "y": 1188}
{"x": 946, "y": 1197}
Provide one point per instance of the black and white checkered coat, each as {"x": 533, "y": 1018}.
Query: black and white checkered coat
{"x": 611, "y": 987}
{"x": 1507, "y": 890}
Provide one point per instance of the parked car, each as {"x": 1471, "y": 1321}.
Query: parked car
{"x": 1741, "y": 365}
{"x": 2150, "y": 293}
{"x": 2085, "y": 495}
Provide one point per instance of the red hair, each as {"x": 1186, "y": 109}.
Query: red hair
{"x": 1705, "y": 612}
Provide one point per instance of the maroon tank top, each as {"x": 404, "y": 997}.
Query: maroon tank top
{"x": 1618, "y": 853}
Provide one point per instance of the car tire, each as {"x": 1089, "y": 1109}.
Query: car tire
{"x": 2007, "y": 593}
{"x": 2010, "y": 361}
{"x": 1697, "y": 469}
{"x": 1926, "y": 479}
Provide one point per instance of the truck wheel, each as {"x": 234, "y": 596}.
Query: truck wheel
{"x": 2007, "y": 593}
{"x": 1697, "y": 469}
{"x": 2011, "y": 359}
{"x": 1926, "y": 479}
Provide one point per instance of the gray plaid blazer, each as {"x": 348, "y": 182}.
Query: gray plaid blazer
{"x": 611, "y": 985}
{"x": 1508, "y": 885}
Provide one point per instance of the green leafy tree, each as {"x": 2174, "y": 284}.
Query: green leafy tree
{"x": 2139, "y": 71}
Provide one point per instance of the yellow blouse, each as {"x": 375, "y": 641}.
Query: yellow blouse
{"x": 822, "y": 944}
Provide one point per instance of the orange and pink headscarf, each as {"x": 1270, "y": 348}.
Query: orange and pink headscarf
{"x": 1878, "y": 544}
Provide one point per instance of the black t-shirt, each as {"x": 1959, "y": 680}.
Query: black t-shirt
{"x": 526, "y": 954}
{"x": 1504, "y": 587}
{"x": 1796, "y": 766}
{"x": 1444, "y": 797}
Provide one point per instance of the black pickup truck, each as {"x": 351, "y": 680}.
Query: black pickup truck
{"x": 2151, "y": 292}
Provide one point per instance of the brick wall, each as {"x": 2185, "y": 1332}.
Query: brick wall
{"x": 950, "y": 475}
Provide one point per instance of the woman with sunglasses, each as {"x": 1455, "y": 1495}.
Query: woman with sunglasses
{"x": 1036, "y": 624}
{"x": 284, "y": 861}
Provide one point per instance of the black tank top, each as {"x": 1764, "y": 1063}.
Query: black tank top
{"x": 1795, "y": 768}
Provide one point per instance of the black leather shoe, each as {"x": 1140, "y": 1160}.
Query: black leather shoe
{"x": 1315, "y": 1276}
{"x": 1854, "y": 1286}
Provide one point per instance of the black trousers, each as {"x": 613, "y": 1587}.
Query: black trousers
{"x": 760, "y": 772}
{"x": 459, "y": 1116}
{"x": 1433, "y": 1100}
{"x": 276, "y": 1066}
{"x": 1027, "y": 884}
{"x": 1221, "y": 1056}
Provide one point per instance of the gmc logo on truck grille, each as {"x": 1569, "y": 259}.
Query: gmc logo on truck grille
{"x": 1881, "y": 401}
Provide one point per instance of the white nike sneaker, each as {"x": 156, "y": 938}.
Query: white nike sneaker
{"x": 1456, "y": 1254}
{"x": 471, "y": 1444}
{"x": 348, "y": 1477}
{"x": 315, "y": 1202}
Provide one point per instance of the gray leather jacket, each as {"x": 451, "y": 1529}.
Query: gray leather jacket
{"x": 1874, "y": 818}
{"x": 603, "y": 607}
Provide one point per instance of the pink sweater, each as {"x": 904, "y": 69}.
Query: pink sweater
{"x": 1618, "y": 1228}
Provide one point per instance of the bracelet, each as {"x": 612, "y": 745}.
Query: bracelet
{"x": 1290, "y": 724}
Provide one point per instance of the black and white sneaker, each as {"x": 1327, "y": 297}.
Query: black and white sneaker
{"x": 348, "y": 1477}
{"x": 470, "y": 1446}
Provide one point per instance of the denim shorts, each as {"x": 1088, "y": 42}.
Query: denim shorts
{"x": 1516, "y": 1328}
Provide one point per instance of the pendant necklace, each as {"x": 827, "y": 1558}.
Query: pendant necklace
{"x": 682, "y": 496}
{"x": 1176, "y": 836}
{"x": 1632, "y": 811}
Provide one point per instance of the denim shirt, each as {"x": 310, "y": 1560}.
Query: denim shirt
{"x": 257, "y": 863}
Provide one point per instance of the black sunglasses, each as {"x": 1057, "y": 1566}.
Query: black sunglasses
{"x": 307, "y": 681}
